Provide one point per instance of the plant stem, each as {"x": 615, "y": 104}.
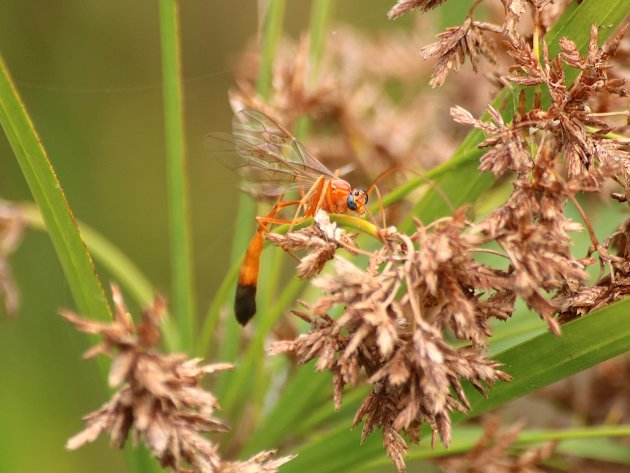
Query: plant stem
{"x": 46, "y": 189}
{"x": 244, "y": 225}
{"x": 271, "y": 33}
{"x": 321, "y": 13}
{"x": 180, "y": 240}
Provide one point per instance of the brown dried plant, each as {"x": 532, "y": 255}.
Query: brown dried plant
{"x": 404, "y": 6}
{"x": 392, "y": 329}
{"x": 414, "y": 321}
{"x": 419, "y": 289}
{"x": 457, "y": 43}
{"x": 355, "y": 120}
{"x": 159, "y": 400}
{"x": 491, "y": 453}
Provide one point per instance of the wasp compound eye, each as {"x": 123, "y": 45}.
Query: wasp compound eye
{"x": 351, "y": 204}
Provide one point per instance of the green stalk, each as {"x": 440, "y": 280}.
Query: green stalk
{"x": 180, "y": 240}
{"x": 226, "y": 289}
{"x": 466, "y": 438}
{"x": 271, "y": 34}
{"x": 244, "y": 225}
{"x": 321, "y": 13}
{"x": 40, "y": 176}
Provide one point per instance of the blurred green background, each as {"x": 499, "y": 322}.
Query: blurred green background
{"x": 89, "y": 73}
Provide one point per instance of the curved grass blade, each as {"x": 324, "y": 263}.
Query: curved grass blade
{"x": 183, "y": 297}
{"x": 64, "y": 233}
{"x": 244, "y": 225}
{"x": 75, "y": 260}
{"x": 120, "y": 267}
{"x": 583, "y": 442}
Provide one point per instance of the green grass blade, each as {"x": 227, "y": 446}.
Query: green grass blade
{"x": 46, "y": 189}
{"x": 241, "y": 382}
{"x": 251, "y": 371}
{"x": 211, "y": 321}
{"x": 299, "y": 396}
{"x": 271, "y": 34}
{"x": 245, "y": 220}
{"x": 546, "y": 358}
{"x": 538, "y": 362}
{"x": 584, "y": 442}
{"x": 598, "y": 449}
{"x": 183, "y": 299}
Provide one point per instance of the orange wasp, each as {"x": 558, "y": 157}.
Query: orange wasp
{"x": 273, "y": 162}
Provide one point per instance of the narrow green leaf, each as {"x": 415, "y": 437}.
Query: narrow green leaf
{"x": 271, "y": 34}
{"x": 245, "y": 220}
{"x": 75, "y": 260}
{"x": 584, "y": 442}
{"x": 297, "y": 397}
{"x": 598, "y": 449}
{"x": 245, "y": 383}
{"x": 211, "y": 321}
{"x": 183, "y": 298}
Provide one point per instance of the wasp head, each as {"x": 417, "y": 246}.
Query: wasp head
{"x": 357, "y": 200}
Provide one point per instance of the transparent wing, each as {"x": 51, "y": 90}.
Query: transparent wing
{"x": 265, "y": 155}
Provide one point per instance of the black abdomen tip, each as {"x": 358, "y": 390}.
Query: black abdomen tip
{"x": 245, "y": 303}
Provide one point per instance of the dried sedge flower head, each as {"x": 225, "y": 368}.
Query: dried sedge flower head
{"x": 392, "y": 330}
{"x": 513, "y": 11}
{"x": 159, "y": 399}
{"x": 571, "y": 154}
{"x": 405, "y": 6}
{"x": 576, "y": 301}
{"x": 12, "y": 226}
{"x": 456, "y": 44}
{"x": 507, "y": 146}
{"x": 321, "y": 241}
{"x": 491, "y": 454}
{"x": 421, "y": 289}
